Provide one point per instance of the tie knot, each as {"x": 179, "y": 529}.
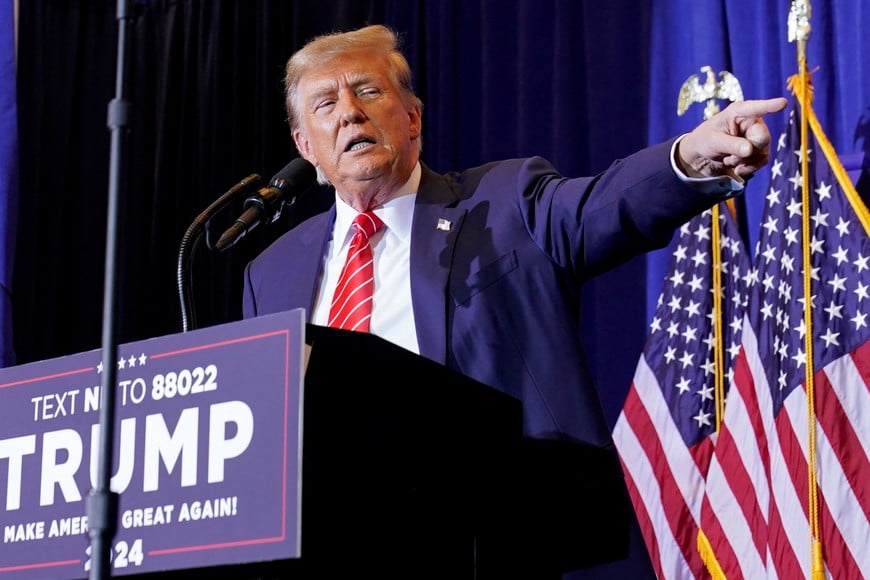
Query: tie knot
{"x": 367, "y": 223}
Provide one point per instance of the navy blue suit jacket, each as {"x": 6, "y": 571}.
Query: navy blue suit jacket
{"x": 496, "y": 297}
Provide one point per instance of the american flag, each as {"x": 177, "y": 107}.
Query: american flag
{"x": 664, "y": 433}
{"x": 756, "y": 511}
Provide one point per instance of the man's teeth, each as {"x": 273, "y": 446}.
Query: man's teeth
{"x": 360, "y": 145}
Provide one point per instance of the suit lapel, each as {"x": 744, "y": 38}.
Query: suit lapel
{"x": 311, "y": 251}
{"x": 437, "y": 223}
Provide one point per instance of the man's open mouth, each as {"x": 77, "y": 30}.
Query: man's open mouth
{"x": 358, "y": 144}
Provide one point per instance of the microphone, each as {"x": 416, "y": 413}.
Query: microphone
{"x": 267, "y": 203}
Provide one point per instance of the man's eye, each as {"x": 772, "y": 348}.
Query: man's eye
{"x": 324, "y": 105}
{"x": 369, "y": 92}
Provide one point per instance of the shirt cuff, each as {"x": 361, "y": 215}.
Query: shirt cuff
{"x": 723, "y": 185}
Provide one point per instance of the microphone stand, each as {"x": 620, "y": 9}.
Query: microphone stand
{"x": 102, "y": 503}
{"x": 190, "y": 243}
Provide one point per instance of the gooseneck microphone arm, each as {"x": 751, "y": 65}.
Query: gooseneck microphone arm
{"x": 191, "y": 241}
{"x": 263, "y": 206}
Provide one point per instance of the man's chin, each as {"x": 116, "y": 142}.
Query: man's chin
{"x": 367, "y": 172}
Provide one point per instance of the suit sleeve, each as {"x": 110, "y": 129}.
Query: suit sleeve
{"x": 592, "y": 224}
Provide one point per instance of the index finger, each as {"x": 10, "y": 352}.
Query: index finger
{"x": 758, "y": 108}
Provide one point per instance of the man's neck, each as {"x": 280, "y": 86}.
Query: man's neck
{"x": 365, "y": 200}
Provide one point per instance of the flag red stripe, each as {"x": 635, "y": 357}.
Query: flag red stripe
{"x": 702, "y": 453}
{"x": 745, "y": 384}
{"x": 844, "y": 450}
{"x": 643, "y": 520}
{"x": 782, "y": 554}
{"x": 738, "y": 481}
{"x": 861, "y": 359}
{"x": 795, "y": 464}
{"x": 742, "y": 488}
{"x": 682, "y": 524}
{"x": 846, "y": 446}
{"x": 838, "y": 557}
{"x": 793, "y": 453}
{"x": 735, "y": 471}
{"x": 781, "y": 557}
{"x": 719, "y": 543}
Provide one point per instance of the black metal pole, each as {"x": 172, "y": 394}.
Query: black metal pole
{"x": 102, "y": 503}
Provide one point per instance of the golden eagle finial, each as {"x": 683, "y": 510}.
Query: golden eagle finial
{"x": 693, "y": 91}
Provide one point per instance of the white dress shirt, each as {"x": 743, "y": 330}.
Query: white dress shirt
{"x": 392, "y": 311}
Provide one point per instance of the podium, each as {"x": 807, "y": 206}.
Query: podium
{"x": 412, "y": 470}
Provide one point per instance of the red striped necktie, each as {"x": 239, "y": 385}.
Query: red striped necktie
{"x": 352, "y": 302}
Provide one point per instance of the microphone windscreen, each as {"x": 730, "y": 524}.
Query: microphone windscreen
{"x": 297, "y": 175}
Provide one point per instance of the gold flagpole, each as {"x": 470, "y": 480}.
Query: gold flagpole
{"x": 799, "y": 32}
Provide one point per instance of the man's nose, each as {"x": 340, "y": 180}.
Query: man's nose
{"x": 351, "y": 111}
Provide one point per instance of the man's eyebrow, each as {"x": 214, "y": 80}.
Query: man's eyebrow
{"x": 321, "y": 90}
{"x": 330, "y": 87}
{"x": 360, "y": 78}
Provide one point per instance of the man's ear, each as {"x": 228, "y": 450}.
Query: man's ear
{"x": 416, "y": 117}
{"x": 303, "y": 146}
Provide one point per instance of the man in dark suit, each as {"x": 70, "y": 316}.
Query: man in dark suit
{"x": 480, "y": 270}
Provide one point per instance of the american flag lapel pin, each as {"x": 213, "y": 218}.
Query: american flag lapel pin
{"x": 444, "y": 225}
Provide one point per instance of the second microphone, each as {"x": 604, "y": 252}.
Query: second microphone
{"x": 266, "y": 204}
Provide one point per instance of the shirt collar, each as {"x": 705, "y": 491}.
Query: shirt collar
{"x": 397, "y": 214}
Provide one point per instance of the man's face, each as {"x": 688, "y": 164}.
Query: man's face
{"x": 354, "y": 126}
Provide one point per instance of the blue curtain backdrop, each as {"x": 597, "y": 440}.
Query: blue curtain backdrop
{"x": 579, "y": 82}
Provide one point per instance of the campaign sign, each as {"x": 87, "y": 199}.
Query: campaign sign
{"x": 207, "y": 452}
